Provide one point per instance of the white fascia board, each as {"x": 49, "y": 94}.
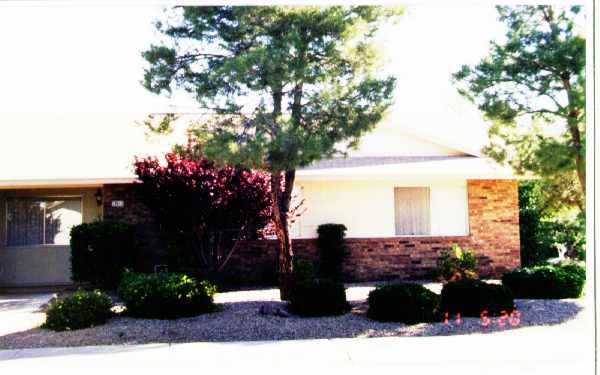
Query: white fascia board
{"x": 64, "y": 182}
{"x": 476, "y": 168}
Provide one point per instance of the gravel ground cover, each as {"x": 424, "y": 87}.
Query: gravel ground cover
{"x": 240, "y": 320}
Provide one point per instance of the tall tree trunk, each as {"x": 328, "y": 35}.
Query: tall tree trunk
{"x": 579, "y": 157}
{"x": 281, "y": 204}
{"x": 573, "y": 119}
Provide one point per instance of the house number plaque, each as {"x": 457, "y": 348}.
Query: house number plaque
{"x": 118, "y": 204}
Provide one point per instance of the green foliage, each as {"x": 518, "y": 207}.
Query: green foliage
{"x": 165, "y": 295}
{"x": 320, "y": 297}
{"x": 81, "y": 310}
{"x": 407, "y": 302}
{"x": 461, "y": 264}
{"x": 546, "y": 282}
{"x": 532, "y": 87}
{"x": 290, "y": 83}
{"x": 470, "y": 297}
{"x": 304, "y": 272}
{"x": 332, "y": 249}
{"x": 542, "y": 231}
{"x": 101, "y": 251}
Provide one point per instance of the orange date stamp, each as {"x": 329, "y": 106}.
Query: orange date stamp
{"x": 504, "y": 318}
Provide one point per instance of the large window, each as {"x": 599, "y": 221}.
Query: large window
{"x": 412, "y": 210}
{"x": 41, "y": 221}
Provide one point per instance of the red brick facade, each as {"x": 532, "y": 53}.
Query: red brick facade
{"x": 493, "y": 235}
{"x": 136, "y": 213}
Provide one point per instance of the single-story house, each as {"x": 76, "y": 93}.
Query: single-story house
{"x": 403, "y": 198}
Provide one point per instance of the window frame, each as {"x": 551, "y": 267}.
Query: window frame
{"x": 39, "y": 197}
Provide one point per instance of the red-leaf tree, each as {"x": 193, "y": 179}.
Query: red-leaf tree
{"x": 205, "y": 210}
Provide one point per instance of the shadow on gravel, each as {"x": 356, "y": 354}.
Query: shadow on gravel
{"x": 242, "y": 322}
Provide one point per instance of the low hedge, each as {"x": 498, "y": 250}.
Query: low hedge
{"x": 81, "y": 310}
{"x": 165, "y": 295}
{"x": 546, "y": 282}
{"x": 319, "y": 297}
{"x": 406, "y": 302}
{"x": 470, "y": 297}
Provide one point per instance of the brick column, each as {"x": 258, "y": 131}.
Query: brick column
{"x": 494, "y": 222}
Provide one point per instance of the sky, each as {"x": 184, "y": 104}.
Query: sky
{"x": 87, "y": 58}
{"x": 69, "y": 72}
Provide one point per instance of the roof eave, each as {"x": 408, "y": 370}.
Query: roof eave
{"x": 64, "y": 182}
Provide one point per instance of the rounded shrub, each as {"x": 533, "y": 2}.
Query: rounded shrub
{"x": 470, "y": 297}
{"x": 83, "y": 309}
{"x": 319, "y": 297}
{"x": 101, "y": 251}
{"x": 546, "y": 282}
{"x": 406, "y": 302}
{"x": 165, "y": 295}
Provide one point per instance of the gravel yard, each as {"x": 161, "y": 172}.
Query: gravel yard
{"x": 240, "y": 320}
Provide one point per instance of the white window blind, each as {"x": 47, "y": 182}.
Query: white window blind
{"x": 412, "y": 210}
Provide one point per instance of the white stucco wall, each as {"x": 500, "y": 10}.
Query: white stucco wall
{"x": 40, "y": 265}
{"x": 366, "y": 207}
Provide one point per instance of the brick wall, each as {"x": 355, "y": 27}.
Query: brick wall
{"x": 493, "y": 235}
{"x": 134, "y": 212}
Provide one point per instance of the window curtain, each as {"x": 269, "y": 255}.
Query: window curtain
{"x": 412, "y": 210}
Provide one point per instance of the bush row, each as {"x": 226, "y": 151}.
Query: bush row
{"x": 158, "y": 296}
{"x": 413, "y": 303}
{"x": 170, "y": 296}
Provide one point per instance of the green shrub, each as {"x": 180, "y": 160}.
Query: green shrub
{"x": 332, "y": 249}
{"x": 319, "y": 297}
{"x": 81, "y": 310}
{"x": 165, "y": 295}
{"x": 100, "y": 251}
{"x": 542, "y": 229}
{"x": 407, "y": 302}
{"x": 462, "y": 264}
{"x": 304, "y": 272}
{"x": 470, "y": 297}
{"x": 546, "y": 282}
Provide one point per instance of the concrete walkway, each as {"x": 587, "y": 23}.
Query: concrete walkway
{"x": 563, "y": 349}
{"x": 20, "y": 312}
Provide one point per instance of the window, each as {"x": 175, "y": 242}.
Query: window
{"x": 412, "y": 210}
{"x": 41, "y": 221}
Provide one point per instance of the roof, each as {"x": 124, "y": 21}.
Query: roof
{"x": 44, "y": 150}
{"x": 371, "y": 161}
{"x": 467, "y": 167}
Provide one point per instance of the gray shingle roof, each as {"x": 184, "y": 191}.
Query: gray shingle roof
{"x": 368, "y": 161}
